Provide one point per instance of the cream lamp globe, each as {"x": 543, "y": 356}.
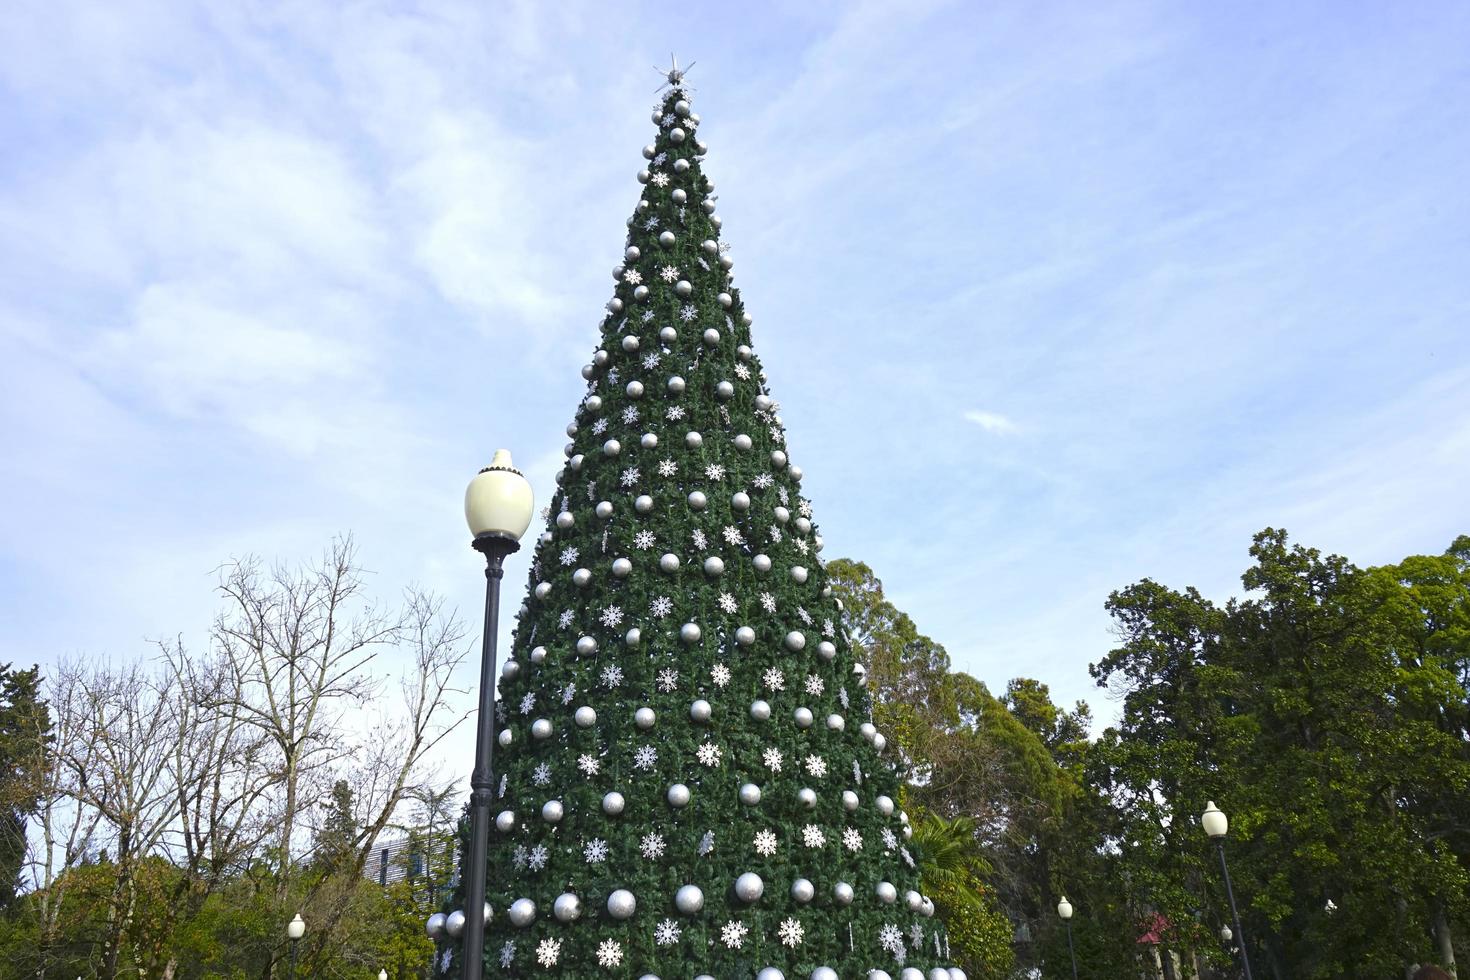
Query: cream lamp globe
{"x": 498, "y": 501}
{"x": 1064, "y": 908}
{"x": 296, "y": 928}
{"x": 1213, "y": 821}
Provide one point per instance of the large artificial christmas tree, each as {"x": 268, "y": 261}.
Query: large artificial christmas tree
{"x": 689, "y": 782}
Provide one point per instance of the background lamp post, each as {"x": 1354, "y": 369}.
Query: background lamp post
{"x": 1216, "y": 825}
{"x": 295, "y": 929}
{"x": 497, "y": 506}
{"x": 1064, "y": 910}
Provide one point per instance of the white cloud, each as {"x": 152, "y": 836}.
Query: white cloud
{"x": 993, "y": 422}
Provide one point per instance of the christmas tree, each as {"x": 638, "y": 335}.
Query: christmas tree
{"x": 689, "y": 783}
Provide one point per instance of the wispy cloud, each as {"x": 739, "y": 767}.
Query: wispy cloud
{"x": 992, "y": 422}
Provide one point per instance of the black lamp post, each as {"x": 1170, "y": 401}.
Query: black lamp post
{"x": 295, "y": 929}
{"x": 497, "y": 506}
{"x": 1064, "y": 909}
{"x": 1216, "y": 825}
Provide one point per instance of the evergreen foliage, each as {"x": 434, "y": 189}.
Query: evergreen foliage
{"x": 25, "y": 732}
{"x": 680, "y": 569}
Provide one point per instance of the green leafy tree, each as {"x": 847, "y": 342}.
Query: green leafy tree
{"x": 25, "y": 735}
{"x": 681, "y": 709}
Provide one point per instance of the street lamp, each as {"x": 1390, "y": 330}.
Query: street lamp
{"x": 497, "y": 506}
{"x": 1064, "y": 909}
{"x": 1216, "y": 825}
{"x": 295, "y": 929}
{"x": 382, "y": 975}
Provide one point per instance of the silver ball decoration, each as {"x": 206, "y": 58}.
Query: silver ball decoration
{"x": 836, "y": 722}
{"x": 795, "y": 472}
{"x": 850, "y": 800}
{"x": 867, "y": 730}
{"x": 615, "y": 304}
{"x": 884, "y": 804}
{"x": 681, "y": 165}
{"x": 711, "y": 336}
{"x": 454, "y": 924}
{"x": 795, "y": 640}
{"x": 643, "y": 504}
{"x": 666, "y": 239}
{"x": 644, "y": 718}
{"x": 781, "y": 514}
{"x": 668, "y": 562}
{"x": 650, "y": 151}
{"x": 714, "y": 565}
{"x": 681, "y": 107}
{"x": 745, "y": 636}
{"x": 522, "y": 912}
{"x": 740, "y": 500}
{"x": 586, "y": 646}
{"x": 913, "y": 900}
{"x": 803, "y": 525}
{"x": 510, "y": 670}
{"x": 709, "y": 207}
{"x": 690, "y": 633}
{"x": 621, "y": 904}
{"x": 700, "y": 710}
{"x": 621, "y": 567}
{"x": 724, "y": 391}
{"x": 505, "y": 821}
{"x": 878, "y": 975}
{"x": 564, "y": 520}
{"x": 744, "y": 352}
{"x": 434, "y": 925}
{"x": 749, "y": 887}
{"x": 763, "y": 402}
{"x": 907, "y": 832}
{"x": 677, "y": 135}
{"x": 541, "y": 729}
{"x": 693, "y": 440}
{"x": 588, "y": 371}
{"x": 567, "y": 907}
{"x": 711, "y": 246}
{"x": 679, "y": 195}
{"x": 678, "y": 795}
{"x": 803, "y": 890}
{"x": 600, "y": 358}
{"x": 927, "y": 908}
{"x": 760, "y": 710}
{"x": 552, "y": 811}
{"x": 649, "y": 440}
{"x": 909, "y": 973}
{"x": 631, "y": 253}
{"x": 770, "y": 973}
{"x": 633, "y": 637}
{"x": 798, "y": 574}
{"x": 778, "y": 458}
{"x": 505, "y": 737}
{"x": 725, "y": 300}
{"x": 582, "y": 577}
{"x": 697, "y": 500}
{"x": 676, "y": 385}
{"x": 824, "y": 973}
{"x": 726, "y": 263}
{"x": 762, "y": 563}
{"x": 630, "y": 343}
{"x": 683, "y": 288}
{"x": 807, "y": 797}
{"x": 803, "y": 717}
{"x": 668, "y": 335}
{"x": 604, "y": 509}
{"x": 634, "y": 389}
{"x": 644, "y": 176}
{"x": 613, "y": 803}
{"x": 750, "y": 794}
{"x": 826, "y": 650}
{"x": 879, "y": 742}
{"x": 745, "y": 318}
{"x": 575, "y": 463}
{"x": 887, "y": 894}
{"x": 612, "y": 447}
{"x": 689, "y": 899}
{"x": 842, "y": 893}
{"x": 585, "y": 716}
{"x": 743, "y": 443}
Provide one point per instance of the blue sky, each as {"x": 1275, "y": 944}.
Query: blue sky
{"x": 1054, "y": 296}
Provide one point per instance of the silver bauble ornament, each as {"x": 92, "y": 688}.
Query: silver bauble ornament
{"x": 803, "y": 717}
{"x": 630, "y": 342}
{"x": 668, "y": 335}
{"x": 711, "y": 337}
{"x": 588, "y": 371}
{"x": 650, "y": 151}
{"x": 693, "y": 440}
{"x": 677, "y": 135}
{"x": 807, "y": 797}
{"x": 711, "y": 246}
{"x": 884, "y": 804}
{"x": 726, "y": 263}
{"x": 745, "y": 636}
{"x": 621, "y": 567}
{"x": 795, "y": 640}
{"x": 613, "y": 803}
{"x": 505, "y": 737}
{"x": 522, "y": 912}
{"x": 564, "y": 520}
{"x": 879, "y": 742}
{"x": 683, "y": 288}
{"x": 643, "y": 504}
{"x": 585, "y": 716}
{"x": 850, "y": 800}
{"x": 668, "y": 562}
{"x": 709, "y": 207}
{"x": 434, "y": 925}
{"x": 867, "y": 730}
{"x": 666, "y": 238}
{"x": 826, "y": 650}
{"x": 586, "y": 646}
{"x": 567, "y": 907}
{"x": 740, "y": 500}
{"x": 749, "y": 887}
{"x": 760, "y": 710}
{"x": 697, "y": 500}
{"x": 600, "y": 358}
{"x": 679, "y": 196}
{"x": 649, "y": 440}
{"x": 633, "y": 637}
{"x": 743, "y": 443}
{"x": 640, "y": 292}
{"x": 836, "y": 722}
{"x": 913, "y": 900}
{"x": 634, "y": 390}
{"x": 795, "y": 472}
{"x": 940, "y": 973}
{"x": 454, "y": 924}
{"x": 927, "y": 908}
{"x": 604, "y": 509}
{"x": 909, "y": 973}
{"x": 631, "y": 253}
{"x": 724, "y": 391}
{"x": 781, "y": 514}
{"x": 510, "y": 669}
{"x": 725, "y": 300}
{"x": 798, "y": 574}
{"x": 541, "y": 729}
{"x": 762, "y": 563}
{"x": 676, "y": 385}
{"x": 644, "y": 718}
{"x": 615, "y": 304}
{"x": 700, "y": 710}
{"x": 803, "y": 890}
{"x": 552, "y": 811}
{"x": 690, "y": 633}
{"x": 621, "y": 904}
{"x": 763, "y": 402}
{"x": 612, "y": 447}
{"x": 824, "y": 973}
{"x": 575, "y": 464}
{"x": 714, "y": 565}
{"x": 681, "y": 108}
{"x": 955, "y": 973}
{"x": 803, "y": 526}
{"x": 689, "y": 899}
{"x": 744, "y": 352}
{"x": 681, "y": 165}
{"x": 842, "y": 893}
{"x": 644, "y": 176}
{"x": 582, "y": 577}
{"x": 887, "y": 894}
{"x": 878, "y": 975}
{"x": 505, "y": 821}
{"x": 778, "y": 458}
{"x": 678, "y": 795}
{"x": 770, "y": 973}
{"x": 750, "y": 794}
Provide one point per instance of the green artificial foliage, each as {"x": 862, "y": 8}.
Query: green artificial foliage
{"x": 694, "y": 469}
